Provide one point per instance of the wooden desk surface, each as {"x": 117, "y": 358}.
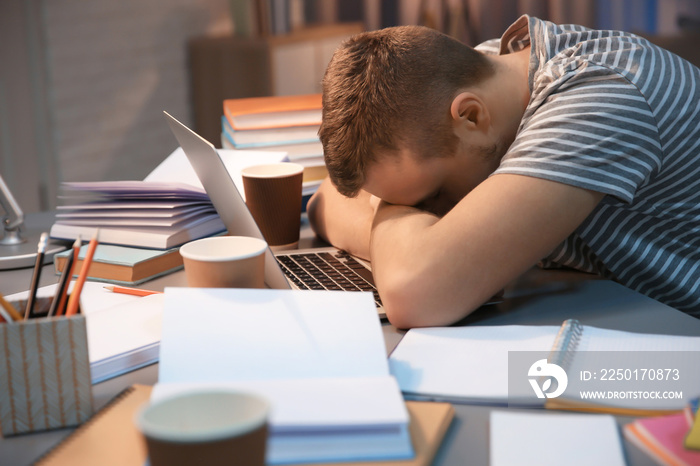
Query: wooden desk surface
{"x": 537, "y": 298}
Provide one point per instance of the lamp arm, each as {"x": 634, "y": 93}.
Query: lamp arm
{"x": 14, "y": 217}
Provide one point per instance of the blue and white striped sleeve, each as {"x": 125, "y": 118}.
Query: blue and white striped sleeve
{"x": 587, "y": 126}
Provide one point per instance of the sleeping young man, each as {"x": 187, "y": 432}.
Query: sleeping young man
{"x": 456, "y": 169}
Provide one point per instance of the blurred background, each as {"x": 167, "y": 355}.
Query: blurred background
{"x": 83, "y": 83}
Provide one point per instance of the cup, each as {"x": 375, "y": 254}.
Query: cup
{"x": 225, "y": 262}
{"x": 206, "y": 427}
{"x": 273, "y": 195}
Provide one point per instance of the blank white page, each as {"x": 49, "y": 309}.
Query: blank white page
{"x": 125, "y": 327}
{"x": 176, "y": 167}
{"x": 226, "y": 335}
{"x": 464, "y": 363}
{"x": 544, "y": 439}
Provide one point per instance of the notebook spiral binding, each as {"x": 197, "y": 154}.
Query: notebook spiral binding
{"x": 565, "y": 343}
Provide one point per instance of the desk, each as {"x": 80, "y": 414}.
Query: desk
{"x": 539, "y": 297}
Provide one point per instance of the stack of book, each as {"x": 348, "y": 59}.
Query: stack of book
{"x": 287, "y": 124}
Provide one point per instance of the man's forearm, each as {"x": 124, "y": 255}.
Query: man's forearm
{"x": 404, "y": 251}
{"x": 432, "y": 271}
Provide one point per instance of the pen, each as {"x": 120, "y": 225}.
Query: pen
{"x": 64, "y": 297}
{"x": 74, "y": 299}
{"x": 10, "y": 309}
{"x": 41, "y": 249}
{"x": 133, "y": 291}
{"x": 62, "y": 287}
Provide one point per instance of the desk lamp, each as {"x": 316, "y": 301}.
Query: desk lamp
{"x": 18, "y": 245}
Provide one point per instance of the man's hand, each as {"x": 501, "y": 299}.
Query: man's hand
{"x": 344, "y": 222}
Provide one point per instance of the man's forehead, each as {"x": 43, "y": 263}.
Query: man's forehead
{"x": 399, "y": 179}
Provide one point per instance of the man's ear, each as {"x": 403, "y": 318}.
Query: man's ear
{"x": 469, "y": 110}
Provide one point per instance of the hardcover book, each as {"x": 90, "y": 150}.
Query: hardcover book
{"x": 124, "y": 265}
{"x": 273, "y": 112}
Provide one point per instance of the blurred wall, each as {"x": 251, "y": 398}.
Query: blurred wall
{"x": 83, "y": 85}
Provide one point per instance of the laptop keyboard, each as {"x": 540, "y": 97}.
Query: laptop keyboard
{"x": 328, "y": 271}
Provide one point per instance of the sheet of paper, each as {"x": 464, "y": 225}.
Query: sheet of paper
{"x": 469, "y": 363}
{"x": 544, "y": 439}
{"x": 125, "y": 327}
{"x": 222, "y": 335}
{"x": 176, "y": 167}
{"x": 155, "y": 189}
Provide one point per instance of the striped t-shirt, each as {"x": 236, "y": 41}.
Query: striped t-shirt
{"x": 611, "y": 112}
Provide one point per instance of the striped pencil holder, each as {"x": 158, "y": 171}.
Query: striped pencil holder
{"x": 45, "y": 375}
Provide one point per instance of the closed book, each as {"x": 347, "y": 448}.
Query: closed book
{"x": 273, "y": 112}
{"x": 124, "y": 265}
{"x": 661, "y": 438}
{"x": 262, "y": 138}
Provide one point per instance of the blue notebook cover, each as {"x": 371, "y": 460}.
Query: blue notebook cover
{"x": 124, "y": 265}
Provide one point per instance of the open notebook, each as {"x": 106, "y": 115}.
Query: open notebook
{"x": 317, "y": 356}
{"x": 497, "y": 365}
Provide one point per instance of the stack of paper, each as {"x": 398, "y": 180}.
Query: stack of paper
{"x": 136, "y": 213}
{"x": 318, "y": 356}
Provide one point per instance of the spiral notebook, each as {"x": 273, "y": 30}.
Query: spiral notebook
{"x": 471, "y": 364}
{"x": 110, "y": 437}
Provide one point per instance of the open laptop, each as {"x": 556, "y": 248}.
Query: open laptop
{"x": 316, "y": 269}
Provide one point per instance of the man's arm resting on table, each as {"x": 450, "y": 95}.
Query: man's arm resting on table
{"x": 344, "y": 222}
{"x": 434, "y": 271}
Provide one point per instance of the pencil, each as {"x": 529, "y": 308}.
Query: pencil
{"x": 64, "y": 297}
{"x": 74, "y": 299}
{"x": 38, "y": 265}
{"x": 10, "y": 309}
{"x": 133, "y": 291}
{"x": 59, "y": 298}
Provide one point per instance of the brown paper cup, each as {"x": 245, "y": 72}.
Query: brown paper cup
{"x": 273, "y": 195}
{"x": 207, "y": 427}
{"x": 225, "y": 262}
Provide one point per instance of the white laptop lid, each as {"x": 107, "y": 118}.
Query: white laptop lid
{"x": 223, "y": 194}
